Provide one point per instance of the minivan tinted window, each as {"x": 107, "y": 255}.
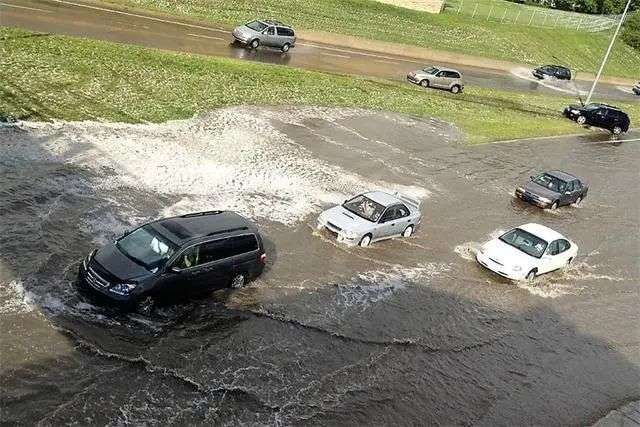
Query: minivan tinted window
{"x": 244, "y": 244}
{"x": 285, "y": 32}
{"x": 215, "y": 251}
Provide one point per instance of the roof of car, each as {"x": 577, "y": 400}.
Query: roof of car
{"x": 565, "y": 176}
{"x": 274, "y": 22}
{"x": 446, "y": 69}
{"x": 542, "y": 232}
{"x": 385, "y": 199}
{"x": 181, "y": 229}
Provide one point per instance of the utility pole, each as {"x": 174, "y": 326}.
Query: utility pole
{"x": 606, "y": 55}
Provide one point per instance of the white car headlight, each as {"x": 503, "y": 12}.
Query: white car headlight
{"x": 123, "y": 288}
{"x": 516, "y": 268}
{"x": 575, "y": 111}
{"x": 349, "y": 234}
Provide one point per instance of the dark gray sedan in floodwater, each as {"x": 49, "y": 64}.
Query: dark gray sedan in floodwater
{"x": 553, "y": 189}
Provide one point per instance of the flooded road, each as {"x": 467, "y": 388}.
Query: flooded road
{"x": 406, "y": 331}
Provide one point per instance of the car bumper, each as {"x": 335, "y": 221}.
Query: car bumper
{"x": 530, "y": 198}
{"x": 242, "y": 38}
{"x": 413, "y": 79}
{"x": 538, "y": 75}
{"x": 339, "y": 234}
{"x": 488, "y": 263}
{"x": 102, "y": 293}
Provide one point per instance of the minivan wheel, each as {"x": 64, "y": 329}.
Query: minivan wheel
{"x": 578, "y": 200}
{"x": 285, "y": 47}
{"x": 424, "y": 83}
{"x": 254, "y": 44}
{"x": 145, "y": 306}
{"x": 455, "y": 89}
{"x": 531, "y": 275}
{"x": 581, "y": 120}
{"x": 617, "y": 130}
{"x": 365, "y": 241}
{"x": 408, "y": 231}
{"x": 238, "y": 281}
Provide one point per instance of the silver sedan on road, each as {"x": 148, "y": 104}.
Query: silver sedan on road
{"x": 443, "y": 78}
{"x": 370, "y": 217}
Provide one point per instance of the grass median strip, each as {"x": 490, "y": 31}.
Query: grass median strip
{"x": 45, "y": 77}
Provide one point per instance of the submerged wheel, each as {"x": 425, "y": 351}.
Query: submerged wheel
{"x": 554, "y": 206}
{"x": 285, "y": 47}
{"x": 531, "y": 275}
{"x": 408, "y": 231}
{"x": 365, "y": 241}
{"x": 581, "y": 120}
{"x": 424, "y": 83}
{"x": 238, "y": 281}
{"x": 617, "y": 130}
{"x": 254, "y": 44}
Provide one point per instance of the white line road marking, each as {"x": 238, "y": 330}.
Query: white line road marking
{"x": 384, "y": 61}
{"x": 25, "y": 7}
{"x": 128, "y": 24}
{"x": 334, "y": 54}
{"x": 373, "y": 55}
{"x": 136, "y": 15}
{"x": 206, "y": 37}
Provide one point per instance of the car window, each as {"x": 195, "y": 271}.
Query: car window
{"x": 364, "y": 207}
{"x": 388, "y": 215}
{"x": 256, "y": 26}
{"x": 563, "y": 245}
{"x": 215, "y": 250}
{"x": 441, "y": 74}
{"x": 401, "y": 211}
{"x": 271, "y": 31}
{"x": 525, "y": 241}
{"x": 454, "y": 75}
{"x": 285, "y": 32}
{"x": 577, "y": 185}
{"x": 553, "y": 249}
{"x": 189, "y": 258}
{"x": 550, "y": 182}
{"x": 146, "y": 246}
{"x": 244, "y": 244}
{"x": 570, "y": 186}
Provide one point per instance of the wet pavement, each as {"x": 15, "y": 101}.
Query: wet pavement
{"x": 408, "y": 331}
{"x": 104, "y": 23}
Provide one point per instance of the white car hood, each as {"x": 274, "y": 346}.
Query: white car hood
{"x": 340, "y": 217}
{"x": 507, "y": 255}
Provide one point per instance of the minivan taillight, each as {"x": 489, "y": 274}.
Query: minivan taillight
{"x": 263, "y": 258}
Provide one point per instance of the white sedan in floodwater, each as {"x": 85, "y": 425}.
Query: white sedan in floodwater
{"x": 526, "y": 252}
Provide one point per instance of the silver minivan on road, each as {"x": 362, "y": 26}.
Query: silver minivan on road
{"x": 267, "y": 33}
{"x": 443, "y": 78}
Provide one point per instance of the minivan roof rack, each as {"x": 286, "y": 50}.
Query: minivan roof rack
{"x": 228, "y": 230}
{"x": 191, "y": 215}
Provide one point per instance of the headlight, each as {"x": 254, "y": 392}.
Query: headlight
{"x": 520, "y": 190}
{"x": 575, "y": 111}
{"x": 350, "y": 234}
{"x": 516, "y": 268}
{"x": 544, "y": 199}
{"x": 123, "y": 288}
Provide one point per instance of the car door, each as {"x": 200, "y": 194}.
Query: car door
{"x": 599, "y": 117}
{"x": 269, "y": 36}
{"x": 576, "y": 192}
{"x": 567, "y": 194}
{"x": 245, "y": 254}
{"x": 549, "y": 259}
{"x": 441, "y": 79}
{"x": 386, "y": 224}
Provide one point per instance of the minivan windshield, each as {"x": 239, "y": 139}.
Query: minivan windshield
{"x": 431, "y": 70}
{"x": 365, "y": 208}
{"x": 146, "y": 247}
{"x": 550, "y": 182}
{"x": 256, "y": 26}
{"x": 525, "y": 242}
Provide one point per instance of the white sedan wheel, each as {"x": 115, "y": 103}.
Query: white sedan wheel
{"x": 366, "y": 241}
{"x": 408, "y": 231}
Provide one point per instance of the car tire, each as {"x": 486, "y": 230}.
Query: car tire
{"x": 617, "y": 130}
{"x": 554, "y": 206}
{"x": 145, "y": 305}
{"x": 365, "y": 241}
{"x": 581, "y": 120}
{"x": 238, "y": 281}
{"x": 285, "y": 48}
{"x": 569, "y": 261}
{"x": 578, "y": 201}
{"x": 254, "y": 44}
{"x": 408, "y": 231}
{"x": 531, "y": 275}
{"x": 455, "y": 89}
{"x": 424, "y": 83}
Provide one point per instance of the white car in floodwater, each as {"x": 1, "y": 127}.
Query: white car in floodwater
{"x": 371, "y": 217}
{"x": 526, "y": 252}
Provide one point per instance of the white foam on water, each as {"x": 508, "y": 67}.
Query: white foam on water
{"x": 467, "y": 250}
{"x": 14, "y": 298}
{"x": 547, "y": 289}
{"x": 551, "y": 83}
{"x": 232, "y": 158}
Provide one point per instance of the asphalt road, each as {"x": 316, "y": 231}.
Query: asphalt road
{"x": 77, "y": 19}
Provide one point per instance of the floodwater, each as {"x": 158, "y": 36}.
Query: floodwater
{"x": 407, "y": 331}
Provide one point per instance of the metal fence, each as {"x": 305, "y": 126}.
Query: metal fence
{"x": 513, "y": 13}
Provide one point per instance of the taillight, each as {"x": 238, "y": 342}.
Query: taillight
{"x": 263, "y": 258}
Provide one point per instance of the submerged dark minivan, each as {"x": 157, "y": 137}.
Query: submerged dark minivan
{"x": 188, "y": 254}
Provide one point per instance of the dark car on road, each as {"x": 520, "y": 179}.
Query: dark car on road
{"x": 636, "y": 88}
{"x": 185, "y": 255}
{"x": 556, "y": 71}
{"x": 553, "y": 189}
{"x": 602, "y": 116}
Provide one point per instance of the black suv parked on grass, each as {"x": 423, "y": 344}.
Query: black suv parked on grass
{"x": 557, "y": 71}
{"x": 553, "y": 189}
{"x": 599, "y": 115}
{"x": 177, "y": 256}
